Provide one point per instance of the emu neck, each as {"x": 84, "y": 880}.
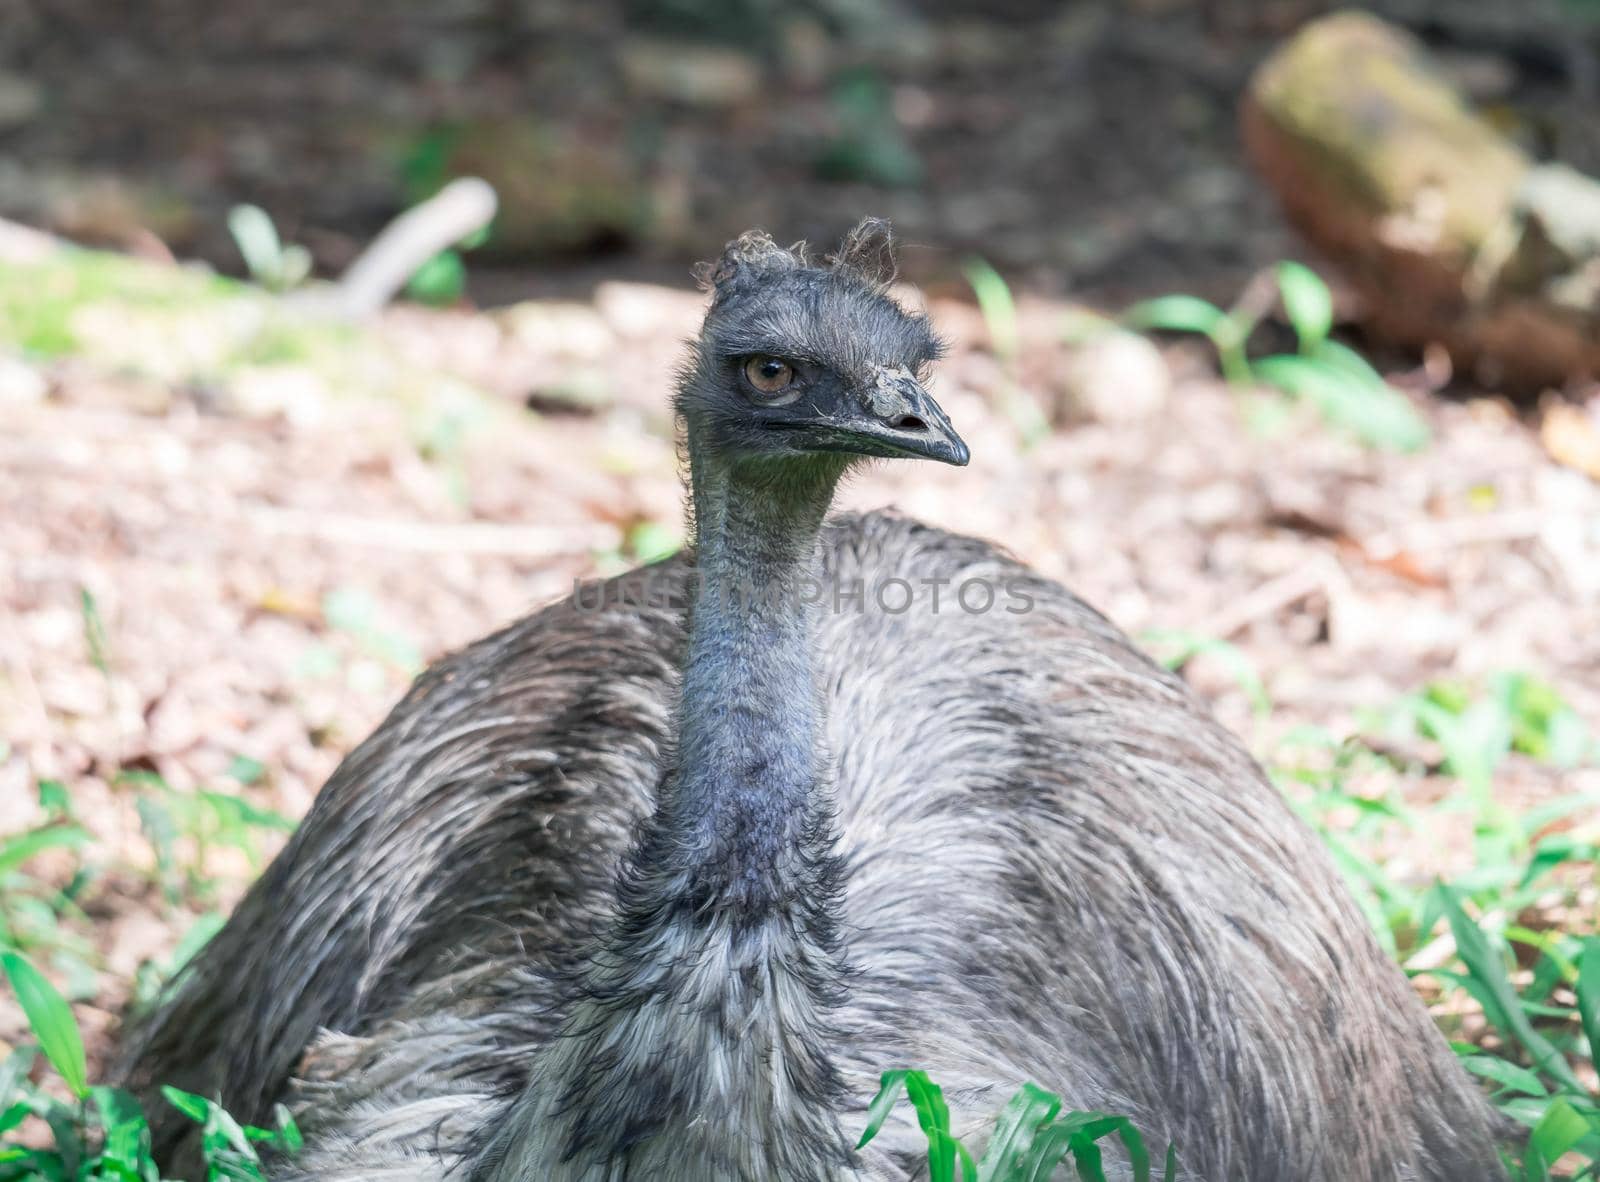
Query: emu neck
{"x": 742, "y": 803}
{"x": 699, "y": 1044}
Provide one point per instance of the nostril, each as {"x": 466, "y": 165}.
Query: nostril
{"x": 908, "y": 423}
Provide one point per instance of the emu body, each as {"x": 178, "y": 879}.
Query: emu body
{"x": 1002, "y": 846}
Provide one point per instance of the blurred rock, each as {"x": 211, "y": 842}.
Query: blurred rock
{"x": 295, "y": 393}
{"x": 689, "y": 73}
{"x": 557, "y": 329}
{"x": 93, "y": 208}
{"x": 1571, "y": 434}
{"x": 1115, "y": 377}
{"x": 21, "y": 98}
{"x": 21, "y": 245}
{"x": 578, "y": 392}
{"x": 1448, "y": 230}
{"x": 562, "y": 188}
{"x": 20, "y": 383}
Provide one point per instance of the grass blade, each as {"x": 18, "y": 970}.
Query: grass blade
{"x": 998, "y": 308}
{"x": 196, "y": 1108}
{"x": 19, "y": 849}
{"x": 127, "y": 1135}
{"x": 1307, "y": 302}
{"x": 1588, "y": 990}
{"x": 51, "y": 1019}
{"x": 1177, "y": 313}
{"x": 1559, "y": 1130}
{"x": 890, "y": 1085}
{"x": 1138, "y": 1155}
{"x": 1023, "y": 1116}
{"x": 933, "y": 1114}
{"x": 1507, "y": 1074}
{"x": 1499, "y": 1000}
{"x": 1374, "y": 412}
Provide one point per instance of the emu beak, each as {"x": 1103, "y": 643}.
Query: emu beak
{"x": 899, "y": 418}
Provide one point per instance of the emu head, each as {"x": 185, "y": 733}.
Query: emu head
{"x": 811, "y": 363}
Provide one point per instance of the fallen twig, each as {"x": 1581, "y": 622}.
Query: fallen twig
{"x": 457, "y": 211}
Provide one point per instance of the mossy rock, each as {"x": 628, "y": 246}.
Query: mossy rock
{"x": 1382, "y": 164}
{"x": 562, "y": 189}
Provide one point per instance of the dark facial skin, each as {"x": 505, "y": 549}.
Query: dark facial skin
{"x": 811, "y": 362}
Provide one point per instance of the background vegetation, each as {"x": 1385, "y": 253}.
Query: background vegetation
{"x": 234, "y": 524}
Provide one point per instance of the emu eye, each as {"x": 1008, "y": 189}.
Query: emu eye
{"x": 769, "y": 375}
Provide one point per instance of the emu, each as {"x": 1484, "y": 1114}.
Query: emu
{"x": 651, "y": 888}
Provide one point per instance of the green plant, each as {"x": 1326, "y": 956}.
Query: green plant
{"x": 100, "y": 1134}
{"x": 869, "y": 144}
{"x": 1345, "y": 390}
{"x": 1176, "y": 648}
{"x": 442, "y": 280}
{"x": 1031, "y": 1136}
{"x": 1545, "y": 1093}
{"x": 651, "y": 541}
{"x": 32, "y": 909}
{"x": 1476, "y": 732}
{"x": 999, "y": 312}
{"x": 94, "y": 632}
{"x": 1186, "y": 313}
{"x": 273, "y": 264}
{"x": 184, "y": 827}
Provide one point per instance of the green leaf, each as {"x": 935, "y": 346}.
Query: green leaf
{"x": 1561, "y": 1127}
{"x": 257, "y": 239}
{"x": 246, "y": 770}
{"x": 944, "y": 1151}
{"x": 1178, "y": 313}
{"x": 294, "y": 267}
{"x": 1505, "y": 1073}
{"x": 1376, "y": 414}
{"x": 271, "y": 263}
{"x": 54, "y": 799}
{"x": 13, "y": 1116}
{"x": 1343, "y": 358}
{"x": 289, "y": 1138}
{"x": 1088, "y": 1161}
{"x": 651, "y": 541}
{"x": 51, "y": 1019}
{"x": 1030, "y": 1109}
{"x": 998, "y": 308}
{"x": 1489, "y": 984}
{"x": 197, "y": 937}
{"x": 1138, "y": 1156}
{"x": 440, "y": 281}
{"x": 1588, "y": 990}
{"x": 1308, "y": 303}
{"x": 127, "y": 1135}
{"x": 933, "y": 1114}
{"x": 94, "y": 631}
{"x": 890, "y": 1085}
{"x": 196, "y": 1108}
{"x": 1049, "y": 1147}
{"x": 35, "y": 1165}
{"x": 23, "y": 846}
{"x": 227, "y": 1150}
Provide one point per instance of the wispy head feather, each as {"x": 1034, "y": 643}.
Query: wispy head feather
{"x": 866, "y": 255}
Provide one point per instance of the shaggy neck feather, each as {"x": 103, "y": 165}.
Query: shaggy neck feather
{"x": 746, "y": 806}
{"x": 698, "y": 1045}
